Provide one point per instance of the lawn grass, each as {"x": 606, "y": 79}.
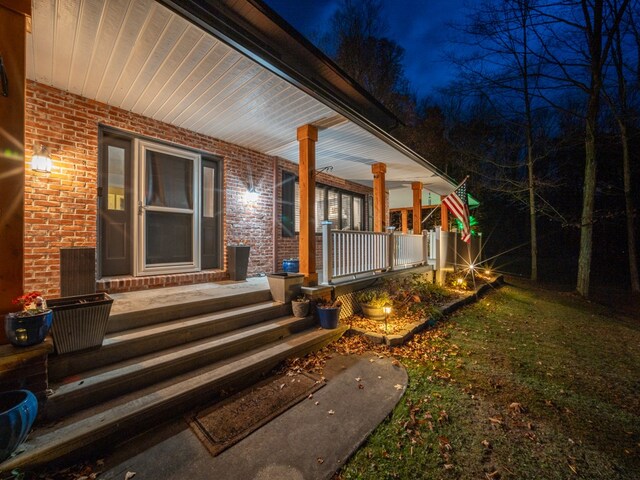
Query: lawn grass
{"x": 525, "y": 384}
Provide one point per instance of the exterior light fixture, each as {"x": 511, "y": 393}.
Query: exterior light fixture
{"x": 487, "y": 271}
{"x": 387, "y": 311}
{"x": 41, "y": 159}
{"x": 472, "y": 267}
{"x": 459, "y": 281}
{"x": 251, "y": 195}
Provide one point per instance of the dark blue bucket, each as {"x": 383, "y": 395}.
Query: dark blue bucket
{"x": 18, "y": 410}
{"x": 328, "y": 317}
{"x": 291, "y": 265}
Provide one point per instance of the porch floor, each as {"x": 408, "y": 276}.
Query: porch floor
{"x": 130, "y": 302}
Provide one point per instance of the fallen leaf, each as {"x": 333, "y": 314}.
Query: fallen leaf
{"x": 448, "y": 466}
{"x": 395, "y": 363}
{"x": 486, "y": 443}
{"x": 100, "y": 463}
{"x": 358, "y": 379}
{"x": 495, "y": 420}
{"x": 331, "y": 412}
{"x": 360, "y": 386}
{"x": 379, "y": 377}
{"x": 397, "y": 386}
{"x": 573, "y": 469}
{"x": 493, "y": 475}
{"x": 320, "y": 460}
{"x": 317, "y": 403}
{"x": 310, "y": 396}
{"x": 129, "y": 475}
{"x": 282, "y": 386}
{"x": 517, "y": 407}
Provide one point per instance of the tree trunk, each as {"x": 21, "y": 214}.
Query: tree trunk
{"x": 588, "y": 198}
{"x": 628, "y": 199}
{"x": 532, "y": 216}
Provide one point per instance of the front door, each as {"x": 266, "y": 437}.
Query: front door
{"x": 168, "y": 209}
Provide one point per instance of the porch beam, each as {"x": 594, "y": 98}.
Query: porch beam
{"x": 378, "y": 170}
{"x": 12, "y": 167}
{"x": 405, "y": 220}
{"x": 307, "y": 137}
{"x": 417, "y": 207}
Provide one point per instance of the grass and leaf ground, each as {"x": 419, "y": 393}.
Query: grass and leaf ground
{"x": 525, "y": 384}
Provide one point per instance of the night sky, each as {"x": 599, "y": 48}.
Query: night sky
{"x": 419, "y": 26}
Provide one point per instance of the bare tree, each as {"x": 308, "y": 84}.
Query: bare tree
{"x": 503, "y": 73}
{"x": 577, "y": 37}
{"x": 619, "y": 103}
{"x": 359, "y": 45}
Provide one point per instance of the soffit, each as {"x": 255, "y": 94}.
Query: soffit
{"x": 142, "y": 57}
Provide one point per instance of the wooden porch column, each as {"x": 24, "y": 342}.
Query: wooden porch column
{"x": 417, "y": 207}
{"x": 307, "y": 138}
{"x": 444, "y": 217}
{"x": 378, "y": 170}
{"x": 405, "y": 220}
{"x": 13, "y": 35}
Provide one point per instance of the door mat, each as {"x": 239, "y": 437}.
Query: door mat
{"x": 224, "y": 424}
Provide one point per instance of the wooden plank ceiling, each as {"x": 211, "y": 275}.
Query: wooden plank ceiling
{"x": 139, "y": 56}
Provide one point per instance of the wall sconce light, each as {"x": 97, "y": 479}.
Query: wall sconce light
{"x": 41, "y": 160}
{"x": 251, "y": 195}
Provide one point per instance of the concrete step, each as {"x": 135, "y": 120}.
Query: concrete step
{"x": 97, "y": 386}
{"x": 127, "y": 314}
{"x": 152, "y": 338}
{"x": 131, "y": 414}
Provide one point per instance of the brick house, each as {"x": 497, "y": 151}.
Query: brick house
{"x": 161, "y": 119}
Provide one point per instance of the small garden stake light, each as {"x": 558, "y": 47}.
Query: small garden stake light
{"x": 387, "y": 312}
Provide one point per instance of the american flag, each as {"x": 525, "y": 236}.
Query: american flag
{"x": 457, "y": 204}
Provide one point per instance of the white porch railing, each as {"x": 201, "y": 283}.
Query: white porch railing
{"x": 349, "y": 253}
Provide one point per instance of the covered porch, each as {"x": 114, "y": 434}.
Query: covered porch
{"x": 174, "y": 75}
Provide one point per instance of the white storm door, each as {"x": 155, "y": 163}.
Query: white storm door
{"x": 168, "y": 226}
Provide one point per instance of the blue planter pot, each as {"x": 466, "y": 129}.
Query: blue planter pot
{"x": 328, "y": 317}
{"x": 18, "y": 410}
{"x": 23, "y": 331}
{"x": 291, "y": 265}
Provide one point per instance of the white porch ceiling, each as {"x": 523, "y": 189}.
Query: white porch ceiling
{"x": 140, "y": 56}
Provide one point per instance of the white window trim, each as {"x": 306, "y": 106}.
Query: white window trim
{"x": 139, "y": 265}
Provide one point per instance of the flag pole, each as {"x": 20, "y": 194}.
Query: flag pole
{"x": 456, "y": 188}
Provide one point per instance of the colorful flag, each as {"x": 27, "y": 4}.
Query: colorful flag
{"x": 457, "y": 204}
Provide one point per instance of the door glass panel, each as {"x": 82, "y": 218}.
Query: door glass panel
{"x": 169, "y": 181}
{"x": 115, "y": 178}
{"x": 169, "y": 237}
{"x": 208, "y": 192}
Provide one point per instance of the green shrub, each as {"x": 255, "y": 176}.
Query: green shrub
{"x": 375, "y": 298}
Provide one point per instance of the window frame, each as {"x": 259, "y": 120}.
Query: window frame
{"x": 290, "y": 209}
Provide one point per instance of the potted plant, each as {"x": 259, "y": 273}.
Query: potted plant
{"x": 31, "y": 325}
{"x": 300, "y": 306}
{"x": 328, "y": 313}
{"x": 285, "y": 286}
{"x": 80, "y": 322}
{"x": 372, "y": 303}
{"x": 18, "y": 410}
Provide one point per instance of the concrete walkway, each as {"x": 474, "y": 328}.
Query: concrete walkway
{"x": 308, "y": 441}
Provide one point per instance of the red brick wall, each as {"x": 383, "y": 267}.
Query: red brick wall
{"x": 61, "y": 207}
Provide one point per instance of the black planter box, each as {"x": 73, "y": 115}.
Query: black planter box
{"x": 79, "y": 322}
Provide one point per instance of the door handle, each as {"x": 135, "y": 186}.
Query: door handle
{"x": 141, "y": 207}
